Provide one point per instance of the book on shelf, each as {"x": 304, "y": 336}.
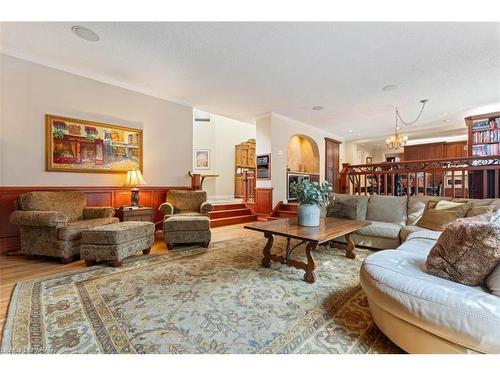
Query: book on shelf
{"x": 488, "y": 124}
{"x": 486, "y": 149}
{"x": 486, "y": 136}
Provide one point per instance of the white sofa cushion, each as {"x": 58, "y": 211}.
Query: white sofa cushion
{"x": 381, "y": 229}
{"x": 395, "y": 280}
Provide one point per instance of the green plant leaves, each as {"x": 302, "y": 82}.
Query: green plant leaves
{"x": 312, "y": 192}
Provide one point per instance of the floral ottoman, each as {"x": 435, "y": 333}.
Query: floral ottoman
{"x": 186, "y": 229}
{"x": 115, "y": 242}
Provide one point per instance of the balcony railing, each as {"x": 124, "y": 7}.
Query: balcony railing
{"x": 468, "y": 177}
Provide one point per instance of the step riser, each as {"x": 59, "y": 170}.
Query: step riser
{"x": 232, "y": 221}
{"x": 229, "y": 213}
{"x": 229, "y": 206}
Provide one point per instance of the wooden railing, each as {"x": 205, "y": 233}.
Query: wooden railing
{"x": 248, "y": 187}
{"x": 468, "y": 177}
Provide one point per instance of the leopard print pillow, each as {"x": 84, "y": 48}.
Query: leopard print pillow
{"x": 467, "y": 251}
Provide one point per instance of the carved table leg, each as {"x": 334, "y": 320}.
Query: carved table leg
{"x": 309, "y": 276}
{"x": 350, "y": 249}
{"x": 266, "y": 261}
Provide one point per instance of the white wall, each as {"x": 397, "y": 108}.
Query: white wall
{"x": 356, "y": 154}
{"x": 263, "y": 144}
{"x": 220, "y": 135}
{"x": 29, "y": 91}
{"x": 282, "y": 129}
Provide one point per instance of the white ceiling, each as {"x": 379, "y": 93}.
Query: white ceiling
{"x": 243, "y": 70}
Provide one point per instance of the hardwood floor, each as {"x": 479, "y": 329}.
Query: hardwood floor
{"x": 17, "y": 268}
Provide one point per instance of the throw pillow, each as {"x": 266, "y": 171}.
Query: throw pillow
{"x": 349, "y": 206}
{"x": 439, "y": 214}
{"x": 346, "y": 209}
{"x": 466, "y": 252}
{"x": 479, "y": 210}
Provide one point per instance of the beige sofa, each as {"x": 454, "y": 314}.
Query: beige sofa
{"x": 392, "y": 218}
{"x": 422, "y": 313}
{"x": 51, "y": 222}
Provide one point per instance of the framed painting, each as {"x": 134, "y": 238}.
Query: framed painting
{"x": 201, "y": 159}
{"x": 74, "y": 145}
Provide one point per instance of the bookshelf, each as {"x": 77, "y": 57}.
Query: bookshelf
{"x": 483, "y": 139}
{"x": 483, "y": 134}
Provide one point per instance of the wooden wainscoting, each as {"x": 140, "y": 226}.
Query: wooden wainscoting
{"x": 151, "y": 196}
{"x": 263, "y": 201}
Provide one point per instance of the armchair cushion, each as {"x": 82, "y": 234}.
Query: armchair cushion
{"x": 39, "y": 218}
{"x": 73, "y": 230}
{"x": 206, "y": 208}
{"x": 70, "y": 203}
{"x": 97, "y": 212}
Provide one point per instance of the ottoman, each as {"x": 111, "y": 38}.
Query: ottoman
{"x": 186, "y": 229}
{"x": 115, "y": 242}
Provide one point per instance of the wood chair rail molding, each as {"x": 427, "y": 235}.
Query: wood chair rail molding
{"x": 114, "y": 196}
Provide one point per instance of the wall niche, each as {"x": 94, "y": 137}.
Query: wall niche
{"x": 302, "y": 155}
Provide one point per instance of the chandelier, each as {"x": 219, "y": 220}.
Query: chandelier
{"x": 398, "y": 140}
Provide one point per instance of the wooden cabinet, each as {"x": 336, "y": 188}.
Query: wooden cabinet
{"x": 455, "y": 150}
{"x": 244, "y": 154}
{"x": 244, "y": 160}
{"x": 438, "y": 150}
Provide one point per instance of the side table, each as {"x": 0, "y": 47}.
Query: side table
{"x": 135, "y": 214}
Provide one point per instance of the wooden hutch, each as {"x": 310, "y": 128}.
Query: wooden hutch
{"x": 244, "y": 161}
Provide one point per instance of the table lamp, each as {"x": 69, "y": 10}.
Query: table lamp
{"x": 134, "y": 179}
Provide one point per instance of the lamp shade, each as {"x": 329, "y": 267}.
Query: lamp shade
{"x": 134, "y": 178}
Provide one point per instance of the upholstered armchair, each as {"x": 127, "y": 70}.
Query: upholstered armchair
{"x": 50, "y": 222}
{"x": 186, "y": 203}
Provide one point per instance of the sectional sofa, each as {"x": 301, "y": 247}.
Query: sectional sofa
{"x": 393, "y": 218}
{"x": 419, "y": 312}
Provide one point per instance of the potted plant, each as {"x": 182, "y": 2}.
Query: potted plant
{"x": 311, "y": 195}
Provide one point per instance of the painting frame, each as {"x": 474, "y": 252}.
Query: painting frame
{"x": 49, "y": 144}
{"x": 196, "y": 160}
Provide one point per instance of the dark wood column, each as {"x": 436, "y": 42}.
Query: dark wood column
{"x": 332, "y": 165}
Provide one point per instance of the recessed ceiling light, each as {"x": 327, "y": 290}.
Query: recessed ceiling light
{"x": 444, "y": 114}
{"x": 317, "y": 108}
{"x": 350, "y": 130}
{"x": 446, "y": 120}
{"x": 391, "y": 87}
{"x": 85, "y": 33}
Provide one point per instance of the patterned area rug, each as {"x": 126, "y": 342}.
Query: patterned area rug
{"x": 197, "y": 301}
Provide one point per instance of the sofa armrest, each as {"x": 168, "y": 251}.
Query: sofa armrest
{"x": 39, "y": 218}
{"x": 166, "y": 208}
{"x": 97, "y": 212}
{"x": 206, "y": 207}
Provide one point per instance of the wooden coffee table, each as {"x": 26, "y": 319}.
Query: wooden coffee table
{"x": 329, "y": 229}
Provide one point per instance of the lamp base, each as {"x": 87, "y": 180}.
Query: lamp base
{"x": 134, "y": 198}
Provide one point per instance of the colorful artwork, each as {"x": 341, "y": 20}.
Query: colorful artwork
{"x": 201, "y": 159}
{"x": 84, "y": 146}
